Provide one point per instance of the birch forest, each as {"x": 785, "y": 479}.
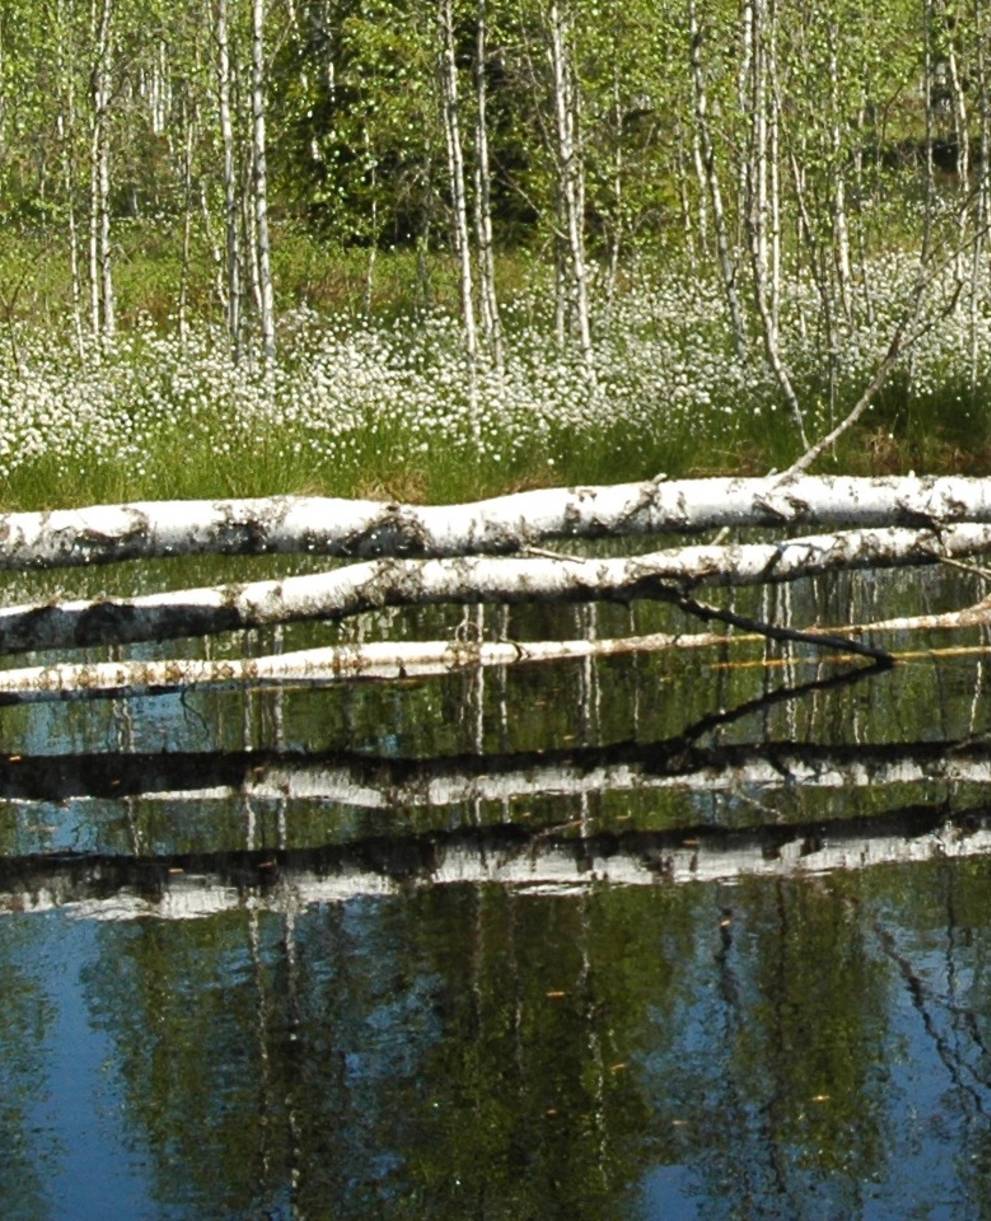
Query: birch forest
{"x": 606, "y": 222}
{"x": 495, "y": 635}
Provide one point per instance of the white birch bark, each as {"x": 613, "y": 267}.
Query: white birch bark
{"x": 756, "y": 210}
{"x": 398, "y": 661}
{"x": 233, "y": 245}
{"x": 726, "y": 264}
{"x": 378, "y": 661}
{"x": 982, "y": 203}
{"x": 189, "y": 135}
{"x": 456, "y": 176}
{"x": 102, "y": 534}
{"x": 488, "y": 298}
{"x": 259, "y": 161}
{"x": 841, "y": 231}
{"x": 101, "y": 88}
{"x": 571, "y": 176}
{"x": 67, "y": 135}
{"x": 373, "y": 585}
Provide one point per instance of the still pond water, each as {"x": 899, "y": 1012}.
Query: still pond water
{"x": 632, "y": 938}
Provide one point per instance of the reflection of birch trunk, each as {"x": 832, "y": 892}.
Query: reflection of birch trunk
{"x": 262, "y": 1024}
{"x": 122, "y": 716}
{"x": 114, "y": 887}
{"x": 266, "y": 779}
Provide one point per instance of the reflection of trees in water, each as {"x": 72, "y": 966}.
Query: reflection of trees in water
{"x": 395, "y": 1057}
{"x": 25, "y": 1016}
{"x": 473, "y": 1050}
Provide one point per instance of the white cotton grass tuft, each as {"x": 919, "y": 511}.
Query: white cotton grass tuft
{"x": 166, "y": 417}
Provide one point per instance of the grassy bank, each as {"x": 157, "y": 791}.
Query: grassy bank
{"x": 383, "y": 407}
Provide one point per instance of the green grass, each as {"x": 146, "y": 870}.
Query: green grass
{"x": 389, "y": 419}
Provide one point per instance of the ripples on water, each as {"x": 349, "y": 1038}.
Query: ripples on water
{"x": 545, "y": 942}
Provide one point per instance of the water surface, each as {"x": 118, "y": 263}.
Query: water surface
{"x": 635, "y": 938}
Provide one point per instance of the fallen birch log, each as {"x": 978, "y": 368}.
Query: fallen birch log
{"x": 186, "y": 887}
{"x": 386, "y": 661}
{"x": 101, "y": 534}
{"x": 384, "y": 783}
{"x": 372, "y": 585}
{"x": 375, "y": 661}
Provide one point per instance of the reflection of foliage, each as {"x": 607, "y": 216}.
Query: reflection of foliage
{"x": 773, "y": 1088}
{"x": 182, "y": 1005}
{"x": 404, "y": 1055}
{"x": 474, "y": 1051}
{"x": 816, "y": 1029}
{"x": 24, "y": 1015}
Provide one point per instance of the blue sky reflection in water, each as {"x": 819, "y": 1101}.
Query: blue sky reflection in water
{"x": 777, "y": 1046}
{"x": 469, "y": 1052}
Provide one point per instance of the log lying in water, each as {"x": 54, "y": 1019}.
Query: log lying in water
{"x": 392, "y": 661}
{"x": 186, "y": 887}
{"x": 375, "y": 661}
{"x": 372, "y": 585}
{"x": 366, "y": 528}
{"x": 386, "y": 784}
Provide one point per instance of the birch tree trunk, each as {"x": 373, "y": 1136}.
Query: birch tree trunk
{"x": 488, "y": 298}
{"x": 448, "y": 71}
{"x": 571, "y": 176}
{"x": 224, "y": 110}
{"x": 259, "y": 161}
{"x": 102, "y": 87}
{"x": 372, "y": 585}
{"x": 756, "y": 210}
{"x": 102, "y": 314}
{"x": 982, "y": 204}
{"x": 102, "y": 534}
{"x": 841, "y": 232}
{"x": 727, "y": 267}
{"x": 66, "y": 124}
{"x": 188, "y": 143}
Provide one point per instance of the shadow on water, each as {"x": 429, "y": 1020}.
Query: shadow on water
{"x": 654, "y": 936}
